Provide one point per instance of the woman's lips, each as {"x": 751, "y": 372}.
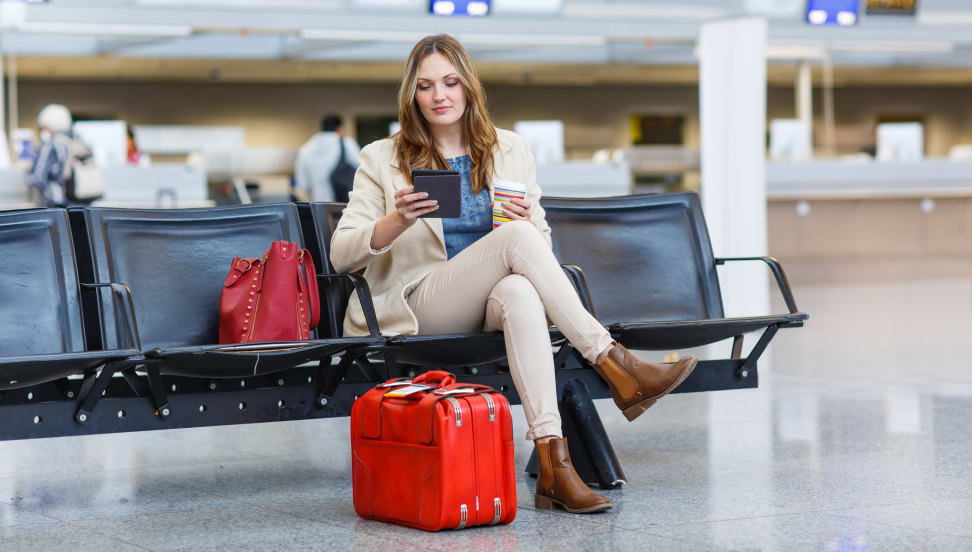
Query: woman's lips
{"x": 441, "y": 109}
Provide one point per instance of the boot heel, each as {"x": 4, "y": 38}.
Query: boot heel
{"x": 633, "y": 412}
{"x": 543, "y": 503}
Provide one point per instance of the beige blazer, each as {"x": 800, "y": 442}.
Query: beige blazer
{"x": 393, "y": 272}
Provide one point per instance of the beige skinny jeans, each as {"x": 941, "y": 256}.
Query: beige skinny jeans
{"x": 510, "y": 280}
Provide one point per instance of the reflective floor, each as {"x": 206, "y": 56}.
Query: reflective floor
{"x": 855, "y": 441}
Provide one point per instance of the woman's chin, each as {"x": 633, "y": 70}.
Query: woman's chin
{"x": 443, "y": 121}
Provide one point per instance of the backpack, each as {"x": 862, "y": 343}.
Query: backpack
{"x": 342, "y": 177}
{"x": 82, "y": 178}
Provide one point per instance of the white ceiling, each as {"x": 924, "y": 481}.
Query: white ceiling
{"x": 640, "y": 32}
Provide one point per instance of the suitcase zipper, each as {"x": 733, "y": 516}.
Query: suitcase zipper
{"x": 491, "y": 405}
{"x": 458, "y": 410}
{"x": 463, "y": 515}
{"x": 497, "y": 510}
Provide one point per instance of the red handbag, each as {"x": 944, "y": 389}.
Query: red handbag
{"x": 273, "y": 298}
{"x": 433, "y": 454}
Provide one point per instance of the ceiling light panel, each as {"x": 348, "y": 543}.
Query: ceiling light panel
{"x": 104, "y": 29}
{"x": 218, "y": 46}
{"x": 527, "y": 6}
{"x": 350, "y": 35}
{"x": 891, "y": 46}
{"x": 275, "y": 5}
{"x": 513, "y": 40}
{"x": 624, "y": 10}
{"x": 943, "y": 17}
{"x": 414, "y": 5}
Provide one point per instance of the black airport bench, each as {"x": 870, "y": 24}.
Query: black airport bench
{"x": 42, "y": 339}
{"x": 404, "y": 352}
{"x": 642, "y": 264}
{"x": 652, "y": 279}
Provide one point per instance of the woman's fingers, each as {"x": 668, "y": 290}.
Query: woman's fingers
{"x": 419, "y": 208}
{"x": 403, "y": 191}
{"x": 515, "y": 211}
{"x": 421, "y": 212}
{"x": 405, "y": 201}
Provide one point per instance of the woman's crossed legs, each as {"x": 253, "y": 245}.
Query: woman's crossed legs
{"x": 510, "y": 280}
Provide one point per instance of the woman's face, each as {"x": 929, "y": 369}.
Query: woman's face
{"x": 439, "y": 93}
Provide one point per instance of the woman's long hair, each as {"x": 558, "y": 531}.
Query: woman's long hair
{"x": 414, "y": 147}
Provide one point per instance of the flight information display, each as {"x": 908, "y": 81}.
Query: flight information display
{"x": 459, "y": 7}
{"x": 891, "y": 7}
{"x": 832, "y": 12}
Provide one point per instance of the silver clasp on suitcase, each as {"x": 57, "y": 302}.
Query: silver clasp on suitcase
{"x": 396, "y": 383}
{"x": 460, "y": 390}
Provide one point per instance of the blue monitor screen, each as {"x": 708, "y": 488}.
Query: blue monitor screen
{"x": 832, "y": 12}
{"x": 459, "y": 7}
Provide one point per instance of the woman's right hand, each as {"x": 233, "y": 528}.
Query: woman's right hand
{"x": 410, "y": 205}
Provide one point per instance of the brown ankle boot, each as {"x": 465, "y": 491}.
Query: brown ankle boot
{"x": 636, "y": 385}
{"x": 559, "y": 484}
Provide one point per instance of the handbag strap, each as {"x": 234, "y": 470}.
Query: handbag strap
{"x": 307, "y": 284}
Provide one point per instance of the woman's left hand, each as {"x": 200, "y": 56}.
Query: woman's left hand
{"x": 518, "y": 209}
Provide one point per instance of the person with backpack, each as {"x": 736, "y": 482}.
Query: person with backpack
{"x": 326, "y": 163}
{"x": 59, "y": 154}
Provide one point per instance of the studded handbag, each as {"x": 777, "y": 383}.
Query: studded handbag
{"x": 272, "y": 298}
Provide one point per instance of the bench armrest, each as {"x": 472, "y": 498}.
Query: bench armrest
{"x": 781, "y": 280}
{"x": 123, "y": 295}
{"x": 364, "y": 296}
{"x": 579, "y": 280}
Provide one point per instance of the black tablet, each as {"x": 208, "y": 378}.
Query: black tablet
{"x": 442, "y": 186}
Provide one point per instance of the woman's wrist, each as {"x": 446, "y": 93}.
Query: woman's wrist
{"x": 387, "y": 229}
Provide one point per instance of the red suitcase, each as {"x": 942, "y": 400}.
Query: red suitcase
{"x": 440, "y": 458}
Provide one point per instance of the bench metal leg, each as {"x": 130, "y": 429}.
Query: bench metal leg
{"x": 590, "y": 448}
{"x": 332, "y": 377}
{"x": 138, "y": 386}
{"x": 91, "y": 389}
{"x": 159, "y": 397}
{"x": 64, "y": 387}
{"x": 749, "y": 366}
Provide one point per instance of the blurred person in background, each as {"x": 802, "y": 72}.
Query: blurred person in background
{"x": 326, "y": 163}
{"x": 461, "y": 275}
{"x": 59, "y": 152}
{"x": 132, "y": 155}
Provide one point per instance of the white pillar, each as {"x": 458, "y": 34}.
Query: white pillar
{"x": 4, "y": 144}
{"x": 3, "y": 103}
{"x": 804, "y": 99}
{"x": 732, "y": 109}
{"x": 732, "y": 106}
{"x": 13, "y": 103}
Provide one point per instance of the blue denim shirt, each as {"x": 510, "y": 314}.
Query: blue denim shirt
{"x": 475, "y": 219}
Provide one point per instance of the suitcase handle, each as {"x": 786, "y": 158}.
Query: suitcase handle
{"x": 463, "y": 389}
{"x": 397, "y": 382}
{"x": 429, "y": 401}
{"x": 440, "y": 377}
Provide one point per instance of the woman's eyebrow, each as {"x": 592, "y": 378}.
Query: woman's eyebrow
{"x": 445, "y": 77}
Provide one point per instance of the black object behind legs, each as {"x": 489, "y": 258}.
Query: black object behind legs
{"x": 590, "y": 448}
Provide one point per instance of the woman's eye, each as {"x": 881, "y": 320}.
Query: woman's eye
{"x": 424, "y": 87}
{"x": 451, "y": 84}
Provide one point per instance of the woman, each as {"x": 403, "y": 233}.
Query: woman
{"x": 461, "y": 275}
